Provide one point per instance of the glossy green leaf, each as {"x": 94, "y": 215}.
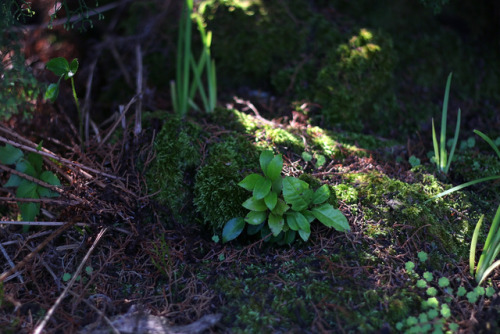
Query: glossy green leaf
{"x": 331, "y": 217}
{"x": 271, "y": 200}
{"x": 254, "y": 204}
{"x": 27, "y": 189}
{"x": 25, "y": 167}
{"x": 280, "y": 208}
{"x": 233, "y": 229}
{"x": 49, "y": 178}
{"x": 321, "y": 195}
{"x": 262, "y": 188}
{"x": 302, "y": 222}
{"x": 254, "y": 229}
{"x": 292, "y": 221}
{"x": 304, "y": 235}
{"x": 13, "y": 181}
{"x": 276, "y": 224}
{"x": 297, "y": 193}
{"x": 59, "y": 66}
{"x": 29, "y": 211}
{"x": 264, "y": 159}
{"x": 256, "y": 217}
{"x": 9, "y": 155}
{"x": 274, "y": 168}
{"x": 73, "y": 67}
{"x": 36, "y": 161}
{"x": 249, "y": 182}
{"x": 309, "y": 215}
{"x": 52, "y": 92}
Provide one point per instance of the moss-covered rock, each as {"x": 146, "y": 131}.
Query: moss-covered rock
{"x": 354, "y": 84}
{"x": 172, "y": 172}
{"x": 218, "y": 197}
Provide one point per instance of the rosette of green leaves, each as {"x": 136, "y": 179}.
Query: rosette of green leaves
{"x": 30, "y": 165}
{"x": 282, "y": 207}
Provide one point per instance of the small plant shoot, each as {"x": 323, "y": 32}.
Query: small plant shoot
{"x": 282, "y": 206}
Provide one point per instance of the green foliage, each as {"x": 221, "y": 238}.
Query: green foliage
{"x": 435, "y": 313}
{"x": 440, "y": 155}
{"x": 490, "y": 250}
{"x": 286, "y": 204}
{"x": 60, "y": 67}
{"x": 352, "y": 86}
{"x": 189, "y": 73}
{"x": 30, "y": 165}
{"x": 177, "y": 156}
{"x": 18, "y": 87}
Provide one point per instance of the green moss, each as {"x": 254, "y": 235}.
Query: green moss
{"x": 354, "y": 85}
{"x": 218, "y": 197}
{"x": 395, "y": 202}
{"x": 177, "y": 156}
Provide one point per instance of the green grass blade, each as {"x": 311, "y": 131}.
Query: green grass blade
{"x": 464, "y": 185}
{"x": 212, "y": 86}
{"x": 473, "y": 244}
{"x": 491, "y": 246}
{"x": 173, "y": 94}
{"x": 489, "y": 141}
{"x": 488, "y": 271}
{"x": 436, "y": 146}
{"x": 198, "y": 71}
{"x": 455, "y": 140}
{"x": 443, "y": 123}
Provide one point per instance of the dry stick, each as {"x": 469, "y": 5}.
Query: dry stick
{"x": 40, "y": 327}
{"x": 37, "y": 249}
{"x": 11, "y": 264}
{"x": 138, "y": 105}
{"x": 59, "y": 159}
{"x": 7, "y": 222}
{"x": 115, "y": 124}
{"x": 37, "y": 200}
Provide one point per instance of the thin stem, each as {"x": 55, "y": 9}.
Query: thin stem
{"x": 77, "y": 103}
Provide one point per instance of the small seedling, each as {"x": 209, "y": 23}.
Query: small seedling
{"x": 414, "y": 161}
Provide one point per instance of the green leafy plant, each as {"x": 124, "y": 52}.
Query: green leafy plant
{"x": 441, "y": 158}
{"x": 414, "y": 161}
{"x": 60, "y": 67}
{"x": 282, "y": 206}
{"x": 490, "y": 250}
{"x": 188, "y": 72}
{"x": 320, "y": 159}
{"x": 470, "y": 183}
{"x": 30, "y": 165}
{"x": 438, "y": 294}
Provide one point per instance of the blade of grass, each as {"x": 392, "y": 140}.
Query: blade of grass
{"x": 470, "y": 183}
{"x": 455, "y": 140}
{"x": 472, "y": 254}
{"x": 489, "y": 141}
{"x": 492, "y": 240}
{"x": 436, "y": 146}
{"x": 442, "y": 162}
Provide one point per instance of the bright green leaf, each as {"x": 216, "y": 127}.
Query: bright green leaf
{"x": 320, "y": 160}
{"x": 302, "y": 222}
{"x": 274, "y": 168}
{"x": 233, "y": 229}
{"x": 249, "y": 182}
{"x": 280, "y": 208}
{"x": 309, "y": 215}
{"x": 73, "y": 67}
{"x": 306, "y": 156}
{"x": 297, "y": 193}
{"x": 291, "y": 221}
{"x": 262, "y": 188}
{"x": 331, "y": 217}
{"x": 9, "y": 155}
{"x": 29, "y": 211}
{"x": 264, "y": 160}
{"x": 276, "y": 224}
{"x": 52, "y": 92}
{"x": 59, "y": 66}
{"x": 66, "y": 277}
{"x": 254, "y": 204}
{"x": 304, "y": 235}
{"x": 256, "y": 217}
{"x": 321, "y": 195}
{"x": 271, "y": 200}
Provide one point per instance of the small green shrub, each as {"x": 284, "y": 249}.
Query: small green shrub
{"x": 286, "y": 204}
{"x": 30, "y": 165}
{"x": 353, "y": 87}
